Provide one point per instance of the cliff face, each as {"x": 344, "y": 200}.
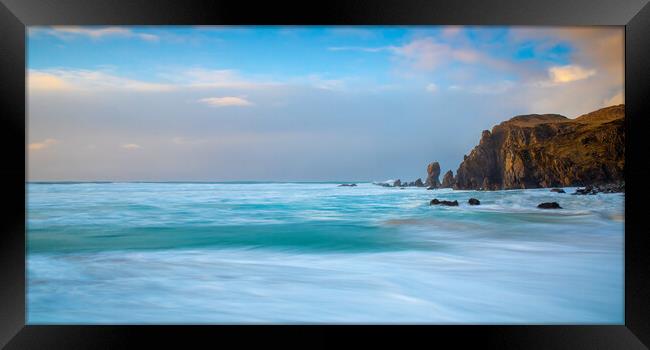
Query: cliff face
{"x": 548, "y": 150}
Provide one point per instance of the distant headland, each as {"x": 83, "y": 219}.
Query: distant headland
{"x": 541, "y": 151}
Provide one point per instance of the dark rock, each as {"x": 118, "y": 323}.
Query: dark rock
{"x": 433, "y": 173}
{"x": 474, "y": 201}
{"x": 431, "y": 188}
{"x": 448, "y": 179}
{"x": 586, "y": 190}
{"x": 549, "y": 205}
{"x": 435, "y": 201}
{"x": 549, "y": 150}
{"x": 558, "y": 190}
{"x": 607, "y": 188}
{"x": 397, "y": 183}
{"x": 418, "y": 183}
{"x": 412, "y": 184}
{"x": 347, "y": 185}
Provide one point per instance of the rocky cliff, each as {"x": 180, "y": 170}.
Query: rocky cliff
{"x": 548, "y": 150}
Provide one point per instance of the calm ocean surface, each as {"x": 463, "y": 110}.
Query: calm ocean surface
{"x": 123, "y": 253}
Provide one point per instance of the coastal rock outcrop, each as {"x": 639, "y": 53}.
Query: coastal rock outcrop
{"x": 419, "y": 183}
{"x": 348, "y": 185}
{"x": 558, "y": 190}
{"x": 474, "y": 201}
{"x": 608, "y": 188}
{"x": 549, "y": 205}
{"x": 448, "y": 179}
{"x": 433, "y": 173}
{"x": 436, "y": 201}
{"x": 548, "y": 150}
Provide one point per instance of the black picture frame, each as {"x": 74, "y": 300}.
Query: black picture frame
{"x": 15, "y": 15}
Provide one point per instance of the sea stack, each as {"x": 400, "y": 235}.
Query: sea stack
{"x": 433, "y": 173}
{"x": 448, "y": 179}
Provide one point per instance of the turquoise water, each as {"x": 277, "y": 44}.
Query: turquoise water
{"x": 124, "y": 253}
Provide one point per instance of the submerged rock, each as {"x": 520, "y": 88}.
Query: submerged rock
{"x": 558, "y": 190}
{"x": 435, "y": 201}
{"x": 347, "y": 185}
{"x": 474, "y": 201}
{"x": 549, "y": 205}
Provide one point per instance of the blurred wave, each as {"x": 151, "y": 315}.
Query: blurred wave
{"x": 316, "y": 252}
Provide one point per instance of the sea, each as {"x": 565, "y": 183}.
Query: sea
{"x": 315, "y": 253}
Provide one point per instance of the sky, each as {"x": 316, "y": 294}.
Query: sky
{"x": 276, "y": 103}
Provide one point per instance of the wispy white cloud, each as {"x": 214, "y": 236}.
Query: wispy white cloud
{"x": 451, "y": 32}
{"x": 318, "y": 81}
{"x": 486, "y": 88}
{"x": 194, "y": 79}
{"x": 226, "y": 101}
{"x": 85, "y": 80}
{"x": 69, "y": 32}
{"x": 179, "y": 140}
{"x": 569, "y": 73}
{"x": 131, "y": 146}
{"x": 432, "y": 88}
{"x": 428, "y": 53}
{"x": 217, "y": 78}
{"x": 36, "y": 146}
{"x": 361, "y": 48}
{"x": 355, "y": 32}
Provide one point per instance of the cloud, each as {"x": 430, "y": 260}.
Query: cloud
{"x": 46, "y": 81}
{"x": 42, "y": 145}
{"x": 201, "y": 78}
{"x": 131, "y": 146}
{"x": 451, "y": 32}
{"x": 569, "y": 73}
{"x": 360, "y": 48}
{"x": 84, "y": 80}
{"x": 495, "y": 88}
{"x": 429, "y": 54}
{"x": 225, "y": 101}
{"x": 432, "y": 88}
{"x": 360, "y": 33}
{"x": 178, "y": 140}
{"x": 103, "y": 79}
{"x": 69, "y": 32}
{"x": 319, "y": 82}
